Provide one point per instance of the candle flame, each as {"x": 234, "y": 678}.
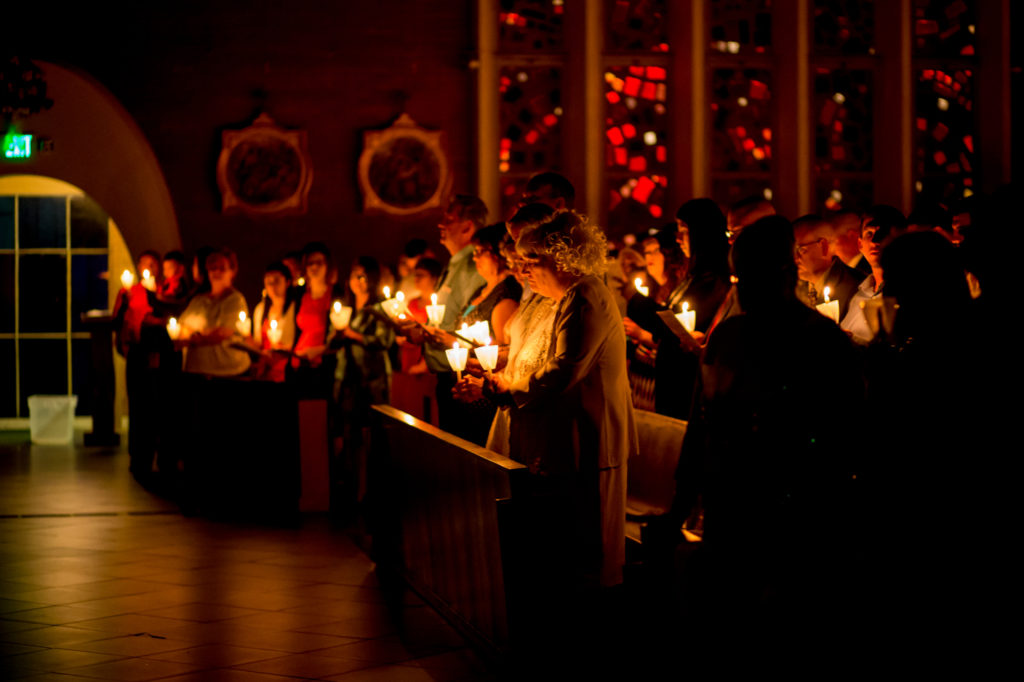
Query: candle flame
{"x": 828, "y": 291}
{"x": 686, "y": 306}
{"x": 433, "y": 299}
{"x": 241, "y": 316}
{"x": 337, "y": 306}
{"x": 401, "y": 316}
{"x": 273, "y": 324}
{"x": 302, "y": 281}
{"x": 465, "y": 325}
{"x": 638, "y": 282}
{"x": 172, "y": 323}
{"x": 387, "y": 292}
{"x": 455, "y": 346}
{"x": 400, "y": 296}
{"x": 145, "y": 274}
{"x": 487, "y": 341}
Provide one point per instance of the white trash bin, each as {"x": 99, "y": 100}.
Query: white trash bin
{"x": 51, "y": 419}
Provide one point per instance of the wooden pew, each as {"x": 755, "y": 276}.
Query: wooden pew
{"x": 441, "y": 512}
{"x": 651, "y": 483}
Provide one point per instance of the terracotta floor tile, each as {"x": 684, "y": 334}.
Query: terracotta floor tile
{"x": 217, "y": 655}
{"x": 54, "y": 636}
{"x": 133, "y": 670}
{"x": 305, "y": 665}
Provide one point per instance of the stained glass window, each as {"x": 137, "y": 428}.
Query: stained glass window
{"x": 944, "y": 28}
{"x": 636, "y": 132}
{"x": 741, "y": 26}
{"x": 639, "y": 25}
{"x": 843, "y": 124}
{"x": 531, "y": 25}
{"x": 844, "y": 27}
{"x": 944, "y": 133}
{"x": 741, "y": 120}
{"x": 637, "y": 203}
{"x": 530, "y": 122}
{"x": 727, "y": 192}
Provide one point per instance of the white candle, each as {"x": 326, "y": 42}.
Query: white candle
{"x": 148, "y": 281}
{"x": 687, "y": 317}
{"x": 829, "y": 309}
{"x": 487, "y": 355}
{"x": 639, "y": 284}
{"x": 435, "y": 312}
{"x": 127, "y": 278}
{"x": 341, "y": 315}
{"x": 274, "y": 333}
{"x": 457, "y": 357}
{"x": 173, "y": 330}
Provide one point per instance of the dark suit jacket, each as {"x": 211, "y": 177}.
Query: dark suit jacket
{"x": 843, "y": 282}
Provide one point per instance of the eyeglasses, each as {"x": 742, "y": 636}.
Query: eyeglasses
{"x": 800, "y": 248}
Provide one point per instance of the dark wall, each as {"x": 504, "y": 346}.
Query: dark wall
{"x": 188, "y": 70}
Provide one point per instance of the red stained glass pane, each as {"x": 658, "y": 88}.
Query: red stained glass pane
{"x": 844, "y": 130}
{"x": 737, "y": 117}
{"x": 530, "y": 26}
{"x": 636, "y": 25}
{"x": 834, "y": 194}
{"x": 530, "y": 119}
{"x": 944, "y": 147}
{"x": 944, "y": 28}
{"x": 636, "y": 204}
{"x": 844, "y": 27}
{"x": 636, "y": 125}
{"x": 741, "y": 26}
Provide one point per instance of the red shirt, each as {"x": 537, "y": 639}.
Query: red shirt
{"x": 312, "y": 321}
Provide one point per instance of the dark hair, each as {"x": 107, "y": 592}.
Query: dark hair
{"x": 669, "y": 245}
{"x": 415, "y": 247}
{"x": 762, "y": 259}
{"x": 530, "y": 215}
{"x": 560, "y": 186}
{"x": 431, "y": 265}
{"x": 289, "y": 294}
{"x": 490, "y": 238}
{"x": 227, "y": 254}
{"x": 371, "y": 268}
{"x": 709, "y": 243}
{"x": 175, "y": 256}
{"x": 931, "y": 216}
{"x": 883, "y": 215}
{"x": 151, "y": 253}
{"x": 279, "y": 267}
{"x": 468, "y": 207}
{"x": 316, "y": 247}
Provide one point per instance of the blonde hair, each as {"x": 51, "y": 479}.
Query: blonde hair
{"x": 576, "y": 245}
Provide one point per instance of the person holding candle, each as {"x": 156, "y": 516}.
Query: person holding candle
{"x": 881, "y": 225}
{"x": 311, "y": 367}
{"x": 425, "y": 275}
{"x": 278, "y": 307}
{"x": 579, "y": 461}
{"x": 209, "y": 322}
{"x": 818, "y": 267}
{"x": 362, "y": 376}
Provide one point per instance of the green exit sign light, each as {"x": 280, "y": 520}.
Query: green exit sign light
{"x": 17, "y": 146}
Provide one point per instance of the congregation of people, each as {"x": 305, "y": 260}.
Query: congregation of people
{"x": 839, "y": 376}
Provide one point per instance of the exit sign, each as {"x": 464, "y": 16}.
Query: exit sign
{"x": 17, "y": 146}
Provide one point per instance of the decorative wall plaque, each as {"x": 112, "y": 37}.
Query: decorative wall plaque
{"x": 403, "y": 170}
{"x": 264, "y": 170}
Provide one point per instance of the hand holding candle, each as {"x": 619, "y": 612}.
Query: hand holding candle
{"x": 341, "y": 315}
{"x": 829, "y": 309}
{"x": 243, "y": 324}
{"x": 148, "y": 280}
{"x": 173, "y": 329}
{"x": 274, "y": 333}
{"x": 435, "y": 312}
{"x": 687, "y": 318}
{"x": 457, "y": 357}
{"x": 487, "y": 355}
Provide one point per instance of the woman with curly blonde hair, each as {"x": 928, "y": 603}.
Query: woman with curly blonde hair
{"x": 579, "y": 461}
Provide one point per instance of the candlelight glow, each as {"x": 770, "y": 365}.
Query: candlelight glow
{"x": 400, "y": 296}
{"x": 241, "y": 316}
{"x": 387, "y": 292}
{"x": 145, "y": 274}
{"x": 126, "y": 278}
{"x": 433, "y": 299}
{"x": 273, "y": 324}
{"x": 337, "y": 306}
{"x": 828, "y": 291}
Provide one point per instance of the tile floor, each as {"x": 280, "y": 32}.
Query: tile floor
{"x": 100, "y": 579}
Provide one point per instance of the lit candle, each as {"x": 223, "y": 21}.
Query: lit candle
{"x": 393, "y": 306}
{"x": 457, "y": 357}
{"x": 173, "y": 330}
{"x": 301, "y": 281}
{"x": 687, "y": 317}
{"x": 243, "y": 324}
{"x": 829, "y": 309}
{"x": 148, "y": 281}
{"x": 341, "y": 315}
{"x": 639, "y": 284}
{"x": 274, "y": 333}
{"x": 435, "y": 312}
{"x": 487, "y": 355}
{"x": 127, "y": 278}
{"x": 387, "y": 292}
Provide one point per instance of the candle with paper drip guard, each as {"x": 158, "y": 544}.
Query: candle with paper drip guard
{"x": 457, "y": 357}
{"x": 639, "y": 284}
{"x": 173, "y": 329}
{"x": 829, "y": 309}
{"x": 341, "y": 315}
{"x": 687, "y": 317}
{"x": 435, "y": 312}
{"x": 127, "y": 279}
{"x": 478, "y": 332}
{"x": 243, "y": 324}
{"x": 393, "y": 306}
{"x": 487, "y": 355}
{"x": 274, "y": 333}
{"x": 148, "y": 280}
